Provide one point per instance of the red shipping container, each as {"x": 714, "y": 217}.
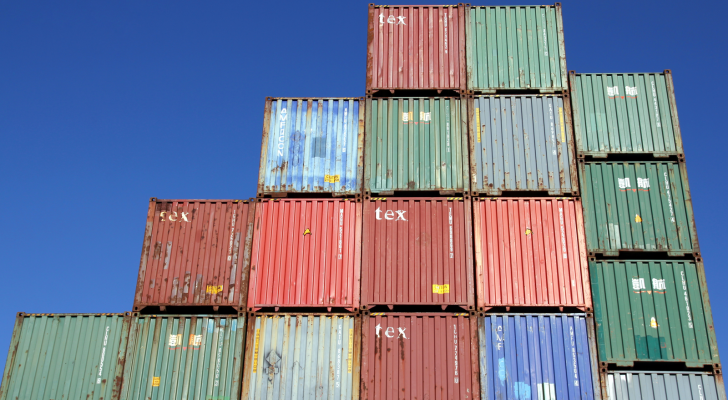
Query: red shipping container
{"x": 306, "y": 253}
{"x": 419, "y": 356}
{"x": 195, "y": 253}
{"x": 531, "y": 252}
{"x": 417, "y": 251}
{"x": 416, "y": 47}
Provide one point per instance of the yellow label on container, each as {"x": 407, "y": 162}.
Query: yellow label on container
{"x": 561, "y": 119}
{"x": 440, "y": 289}
{"x": 477, "y": 122}
{"x": 255, "y": 352}
{"x": 213, "y": 289}
{"x": 155, "y": 381}
{"x": 331, "y": 178}
{"x": 351, "y": 349}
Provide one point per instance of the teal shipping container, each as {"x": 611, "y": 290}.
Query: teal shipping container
{"x": 66, "y": 356}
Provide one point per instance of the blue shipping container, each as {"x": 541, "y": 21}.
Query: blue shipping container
{"x": 312, "y": 145}
{"x": 537, "y": 356}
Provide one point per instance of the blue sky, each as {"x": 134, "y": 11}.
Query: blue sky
{"x": 105, "y": 104}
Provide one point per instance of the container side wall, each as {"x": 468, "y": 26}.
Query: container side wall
{"x": 652, "y": 311}
{"x": 649, "y": 385}
{"x": 531, "y": 252}
{"x": 306, "y": 253}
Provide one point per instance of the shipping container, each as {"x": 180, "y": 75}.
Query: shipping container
{"x": 649, "y": 310}
{"x": 515, "y": 48}
{"x": 530, "y": 252}
{"x": 417, "y": 251}
{"x": 625, "y": 114}
{"x": 661, "y": 385}
{"x": 184, "y": 357}
{"x": 306, "y": 253}
{"x": 416, "y": 47}
{"x": 302, "y": 356}
{"x": 312, "y": 146}
{"x": 638, "y": 206}
{"x": 537, "y": 356}
{"x": 416, "y": 144}
{"x": 195, "y": 253}
{"x": 521, "y": 144}
{"x": 419, "y": 356}
{"x": 66, "y": 356}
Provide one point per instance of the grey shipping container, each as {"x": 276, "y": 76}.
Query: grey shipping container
{"x": 522, "y": 144}
{"x": 629, "y": 113}
{"x": 66, "y": 356}
{"x": 302, "y": 356}
{"x": 661, "y": 385}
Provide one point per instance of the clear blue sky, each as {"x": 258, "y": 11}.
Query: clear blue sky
{"x": 104, "y": 104}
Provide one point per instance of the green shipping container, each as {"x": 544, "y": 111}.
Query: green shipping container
{"x": 652, "y": 311}
{"x": 416, "y": 144}
{"x": 66, "y": 356}
{"x": 637, "y": 206}
{"x": 184, "y": 357}
{"x": 625, "y": 114}
{"x": 515, "y": 47}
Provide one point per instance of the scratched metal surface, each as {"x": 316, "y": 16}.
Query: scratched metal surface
{"x": 659, "y": 385}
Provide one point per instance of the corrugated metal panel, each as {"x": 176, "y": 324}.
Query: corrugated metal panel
{"x": 638, "y": 206}
{"x": 196, "y": 252}
{"x": 416, "y": 144}
{"x": 537, "y": 356}
{"x": 184, "y": 357}
{"x": 515, "y": 48}
{"x": 531, "y": 252}
{"x": 312, "y": 145}
{"x": 417, "y": 251}
{"x": 302, "y": 356}
{"x": 625, "y": 113}
{"x": 522, "y": 143}
{"x": 419, "y": 356}
{"x": 658, "y": 385}
{"x": 653, "y": 311}
{"x": 416, "y": 47}
{"x": 66, "y": 356}
{"x": 306, "y": 253}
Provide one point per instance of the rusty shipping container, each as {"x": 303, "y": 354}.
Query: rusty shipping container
{"x": 419, "y": 356}
{"x": 522, "y": 143}
{"x": 649, "y": 310}
{"x": 538, "y": 356}
{"x": 66, "y": 356}
{"x": 195, "y": 253}
{"x": 515, "y": 48}
{"x": 415, "y": 47}
{"x": 184, "y": 357}
{"x": 631, "y": 113}
{"x": 416, "y": 144}
{"x": 638, "y": 206}
{"x": 661, "y": 385}
{"x": 302, "y": 356}
{"x": 417, "y": 251}
{"x": 530, "y": 252}
{"x": 312, "y": 145}
{"x": 306, "y": 253}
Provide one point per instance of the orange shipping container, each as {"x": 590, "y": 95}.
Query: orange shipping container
{"x": 531, "y": 252}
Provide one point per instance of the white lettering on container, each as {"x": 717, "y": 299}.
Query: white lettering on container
{"x": 563, "y": 233}
{"x": 455, "y": 344}
{"x": 389, "y": 214}
{"x": 341, "y": 232}
{"x": 657, "y": 107}
{"x": 452, "y": 247}
{"x": 282, "y": 131}
{"x": 669, "y": 199}
{"x": 232, "y": 235}
{"x": 103, "y": 355}
{"x": 687, "y": 300}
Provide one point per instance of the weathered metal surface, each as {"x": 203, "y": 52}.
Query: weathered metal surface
{"x": 66, "y": 356}
{"x": 653, "y": 311}
{"x": 625, "y": 114}
{"x": 416, "y": 144}
{"x": 530, "y": 252}
{"x": 312, "y": 145}
{"x": 184, "y": 357}
{"x": 638, "y": 206}
{"x": 660, "y": 385}
{"x": 417, "y": 251}
{"x": 518, "y": 47}
{"x": 537, "y": 356}
{"x": 306, "y": 253}
{"x": 302, "y": 356}
{"x": 522, "y": 143}
{"x": 195, "y": 253}
{"x": 416, "y": 47}
{"x": 419, "y": 356}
